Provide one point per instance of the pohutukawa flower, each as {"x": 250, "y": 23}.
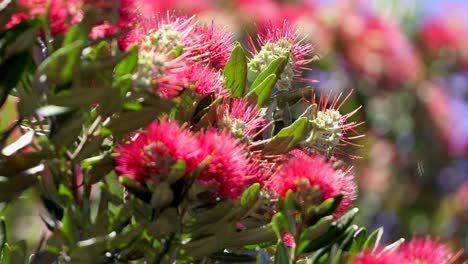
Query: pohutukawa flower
{"x": 378, "y": 257}
{"x": 215, "y": 46}
{"x": 240, "y": 117}
{"x": 60, "y": 13}
{"x": 158, "y": 73}
{"x": 425, "y": 250}
{"x": 155, "y": 150}
{"x": 304, "y": 172}
{"x": 206, "y": 81}
{"x": 277, "y": 41}
{"x": 164, "y": 31}
{"x": 229, "y": 171}
{"x": 330, "y": 127}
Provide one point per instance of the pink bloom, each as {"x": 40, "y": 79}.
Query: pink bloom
{"x": 164, "y": 31}
{"x": 377, "y": 49}
{"x": 378, "y": 257}
{"x": 206, "y": 81}
{"x": 229, "y": 171}
{"x": 240, "y": 117}
{"x": 308, "y": 171}
{"x": 424, "y": 250}
{"x": 215, "y": 46}
{"x": 277, "y": 40}
{"x": 447, "y": 113}
{"x": 155, "y": 150}
{"x": 59, "y": 14}
{"x": 331, "y": 129}
{"x": 103, "y": 30}
{"x": 448, "y": 33}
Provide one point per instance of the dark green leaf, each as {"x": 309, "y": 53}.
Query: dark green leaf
{"x": 286, "y": 139}
{"x": 89, "y": 148}
{"x": 59, "y": 66}
{"x": 281, "y": 256}
{"x": 235, "y": 72}
{"x": 12, "y": 187}
{"x": 81, "y": 97}
{"x": 68, "y": 132}
{"x": 373, "y": 240}
{"x": 12, "y": 70}
{"x": 3, "y": 235}
{"x": 232, "y": 258}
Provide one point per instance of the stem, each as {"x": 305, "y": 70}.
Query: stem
{"x": 167, "y": 247}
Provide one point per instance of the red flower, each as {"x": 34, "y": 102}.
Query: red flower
{"x": 206, "y": 81}
{"x": 314, "y": 171}
{"x": 378, "y": 257}
{"x": 59, "y": 14}
{"x": 215, "y": 46}
{"x": 424, "y": 250}
{"x": 229, "y": 171}
{"x": 447, "y": 33}
{"x": 377, "y": 49}
{"x": 155, "y": 150}
{"x": 103, "y": 30}
{"x": 240, "y": 117}
{"x": 330, "y": 129}
{"x": 277, "y": 41}
{"x": 164, "y": 32}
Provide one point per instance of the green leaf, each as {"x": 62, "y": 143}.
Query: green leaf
{"x": 68, "y": 132}
{"x": 3, "y": 235}
{"x": 235, "y": 72}
{"x": 98, "y": 167}
{"x": 81, "y": 97}
{"x": 12, "y": 70}
{"x": 176, "y": 172}
{"x": 327, "y": 207}
{"x": 347, "y": 240}
{"x": 250, "y": 195}
{"x": 162, "y": 196}
{"x": 232, "y": 258}
{"x": 128, "y": 64}
{"x": 277, "y": 222}
{"x": 276, "y": 67}
{"x": 19, "y": 39}
{"x": 130, "y": 121}
{"x": 373, "y": 240}
{"x": 261, "y": 93}
{"x": 133, "y": 187}
{"x": 286, "y": 138}
{"x": 281, "y": 256}
{"x": 12, "y": 187}
{"x": 335, "y": 232}
{"x": 68, "y": 225}
{"x": 89, "y": 148}
{"x": 59, "y": 67}
{"x": 359, "y": 238}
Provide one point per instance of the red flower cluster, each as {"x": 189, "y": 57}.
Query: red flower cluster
{"x": 377, "y": 48}
{"x": 175, "y": 52}
{"x": 312, "y": 170}
{"x": 418, "y": 250}
{"x": 149, "y": 153}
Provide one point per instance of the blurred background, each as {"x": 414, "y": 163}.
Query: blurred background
{"x": 407, "y": 62}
